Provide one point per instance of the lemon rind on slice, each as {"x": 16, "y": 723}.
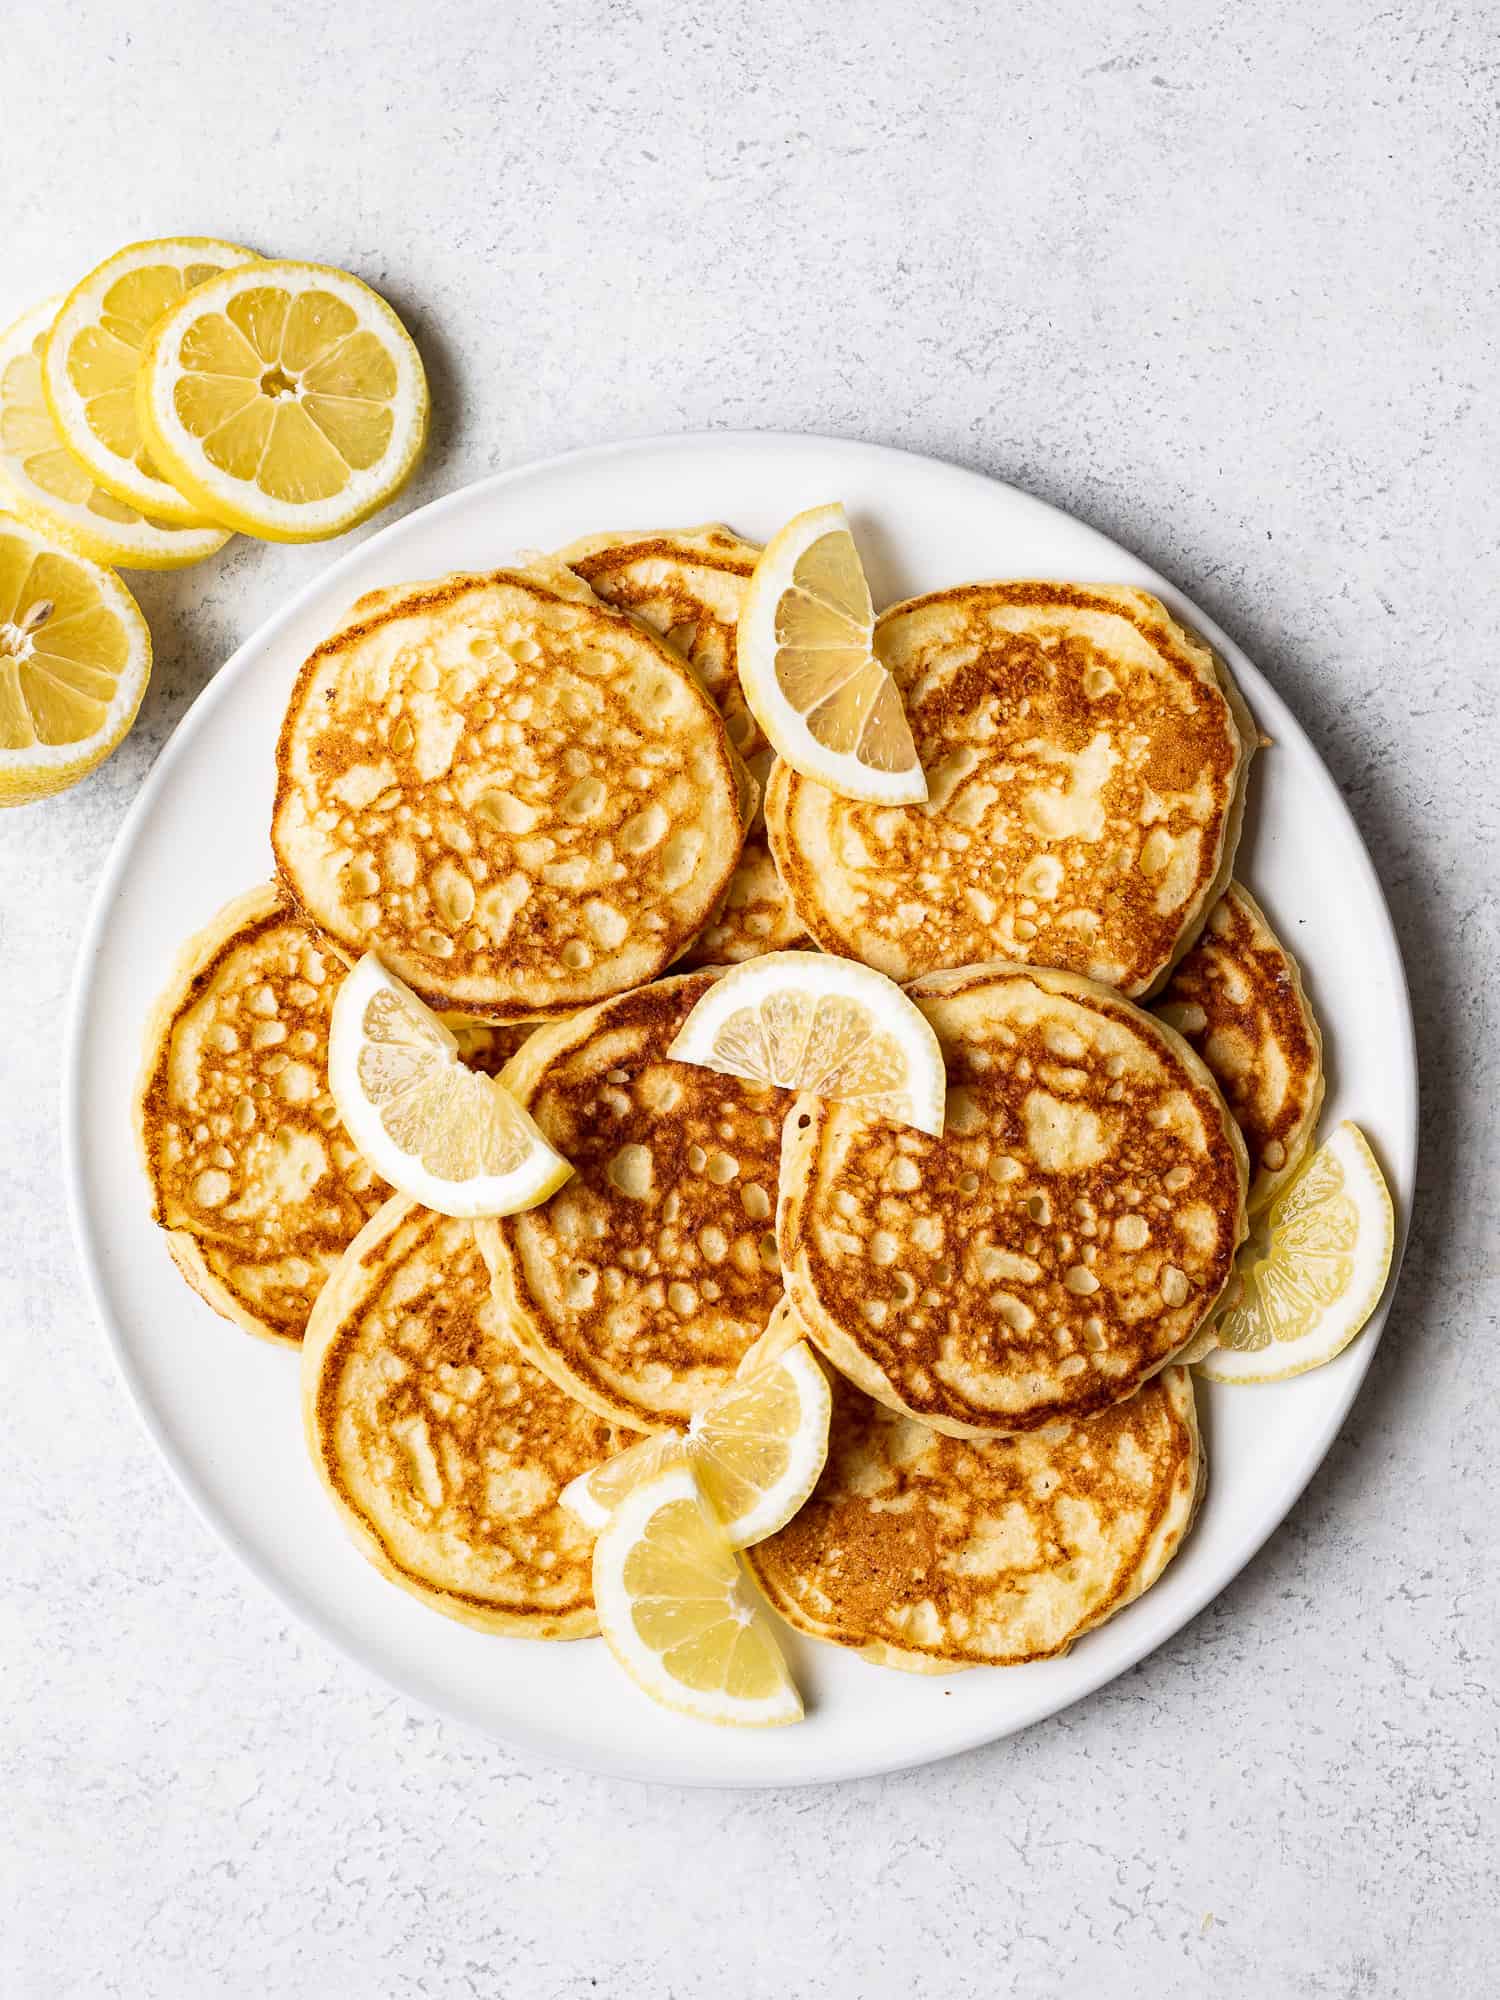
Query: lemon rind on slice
{"x": 537, "y": 1175}
{"x": 1372, "y": 1252}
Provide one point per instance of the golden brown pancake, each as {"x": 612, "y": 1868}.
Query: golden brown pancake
{"x": 1062, "y": 1240}
{"x": 445, "y": 1451}
{"x": 643, "y": 1281}
{"x": 934, "y": 1553}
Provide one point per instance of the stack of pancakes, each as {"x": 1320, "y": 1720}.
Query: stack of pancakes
{"x": 539, "y": 796}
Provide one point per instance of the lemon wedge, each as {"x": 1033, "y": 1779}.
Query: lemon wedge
{"x": 448, "y": 1136}
{"x": 75, "y": 657}
{"x": 93, "y": 355}
{"x": 45, "y": 485}
{"x": 809, "y": 671}
{"x": 678, "y": 1613}
{"x": 1313, "y": 1273}
{"x": 757, "y": 1450}
{"x": 809, "y": 1021}
{"x": 286, "y": 400}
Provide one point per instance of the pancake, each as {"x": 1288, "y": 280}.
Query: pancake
{"x": 640, "y": 1285}
{"x": 687, "y": 584}
{"x": 443, "y": 1449}
{"x": 1086, "y": 759}
{"x": 934, "y": 1553}
{"x": 252, "y": 1174}
{"x": 1062, "y": 1240}
{"x": 520, "y": 798}
{"x": 1238, "y": 999}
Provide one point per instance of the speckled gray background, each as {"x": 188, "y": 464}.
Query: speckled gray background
{"x": 1222, "y": 279}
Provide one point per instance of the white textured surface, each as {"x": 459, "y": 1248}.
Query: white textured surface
{"x": 1221, "y": 280}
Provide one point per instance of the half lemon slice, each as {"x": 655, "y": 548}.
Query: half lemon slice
{"x": 451, "y": 1138}
{"x": 678, "y": 1612}
{"x": 1313, "y": 1273}
{"x": 809, "y": 669}
{"x": 808, "y": 1021}
{"x": 757, "y": 1450}
{"x": 286, "y": 400}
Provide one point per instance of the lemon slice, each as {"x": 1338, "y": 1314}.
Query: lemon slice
{"x": 93, "y": 355}
{"x": 757, "y": 1450}
{"x": 809, "y": 669}
{"x": 286, "y": 400}
{"x": 44, "y": 484}
{"x": 1315, "y": 1270}
{"x": 448, "y": 1136}
{"x": 809, "y": 1021}
{"x": 677, "y": 1611}
{"x": 75, "y": 657}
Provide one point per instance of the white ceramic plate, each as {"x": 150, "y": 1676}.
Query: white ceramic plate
{"x": 223, "y": 1408}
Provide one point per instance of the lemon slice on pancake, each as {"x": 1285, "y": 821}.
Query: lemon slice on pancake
{"x": 806, "y": 1020}
{"x": 286, "y": 400}
{"x": 1315, "y": 1271}
{"x": 448, "y": 1136}
{"x": 757, "y": 1450}
{"x": 678, "y": 1612}
{"x": 809, "y": 669}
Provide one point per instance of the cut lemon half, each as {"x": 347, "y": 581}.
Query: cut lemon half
{"x": 809, "y": 669}
{"x": 678, "y": 1613}
{"x": 1315, "y": 1270}
{"x": 809, "y": 1021}
{"x": 75, "y": 657}
{"x": 448, "y": 1136}
{"x": 46, "y": 486}
{"x": 286, "y": 400}
{"x": 93, "y": 355}
{"x": 757, "y": 1450}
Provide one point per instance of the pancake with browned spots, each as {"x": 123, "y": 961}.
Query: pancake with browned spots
{"x": 1238, "y": 999}
{"x": 1086, "y": 759}
{"x": 445, "y": 1451}
{"x": 1057, "y": 1245}
{"x": 643, "y": 1281}
{"x": 935, "y": 1553}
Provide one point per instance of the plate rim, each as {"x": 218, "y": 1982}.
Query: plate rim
{"x": 519, "y": 1733}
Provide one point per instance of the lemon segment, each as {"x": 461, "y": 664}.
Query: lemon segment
{"x": 43, "y": 484}
{"x": 287, "y": 400}
{"x": 809, "y": 669}
{"x": 447, "y": 1136}
{"x": 806, "y": 1020}
{"x": 93, "y": 356}
{"x": 757, "y": 1450}
{"x": 1314, "y": 1271}
{"x": 678, "y": 1613}
{"x": 75, "y": 657}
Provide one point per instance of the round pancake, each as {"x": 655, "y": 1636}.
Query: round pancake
{"x": 252, "y": 1174}
{"x": 1060, "y": 1242}
{"x": 935, "y": 1553}
{"x": 522, "y": 800}
{"x": 643, "y": 1281}
{"x": 445, "y": 1451}
{"x": 1238, "y": 999}
{"x": 687, "y": 584}
{"x": 1087, "y": 762}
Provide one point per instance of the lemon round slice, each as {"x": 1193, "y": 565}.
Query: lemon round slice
{"x": 286, "y": 400}
{"x": 1314, "y": 1272}
{"x": 808, "y": 1021}
{"x": 75, "y": 657}
{"x": 44, "y": 484}
{"x": 677, "y": 1611}
{"x": 448, "y": 1136}
{"x": 93, "y": 355}
{"x": 757, "y": 1450}
{"x": 809, "y": 670}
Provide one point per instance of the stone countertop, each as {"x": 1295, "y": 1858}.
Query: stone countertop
{"x": 1222, "y": 281}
